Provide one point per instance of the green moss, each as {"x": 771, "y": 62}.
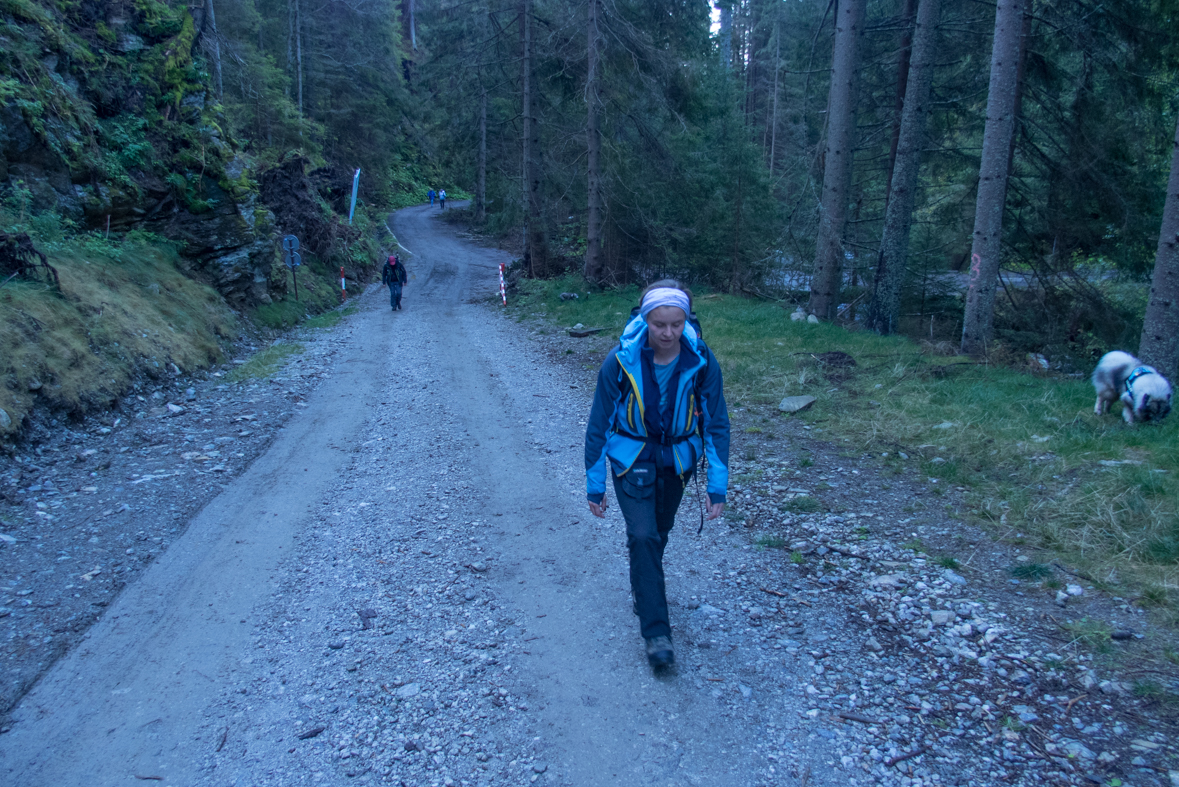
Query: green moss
{"x": 158, "y": 20}
{"x": 264, "y": 363}
{"x": 240, "y": 188}
{"x": 330, "y": 319}
{"x": 28, "y": 11}
{"x": 105, "y": 33}
{"x": 178, "y": 62}
{"x": 9, "y": 89}
{"x": 319, "y": 291}
{"x": 122, "y": 307}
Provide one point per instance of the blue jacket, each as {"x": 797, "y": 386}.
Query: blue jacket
{"x": 626, "y": 413}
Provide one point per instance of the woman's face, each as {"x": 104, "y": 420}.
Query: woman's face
{"x": 665, "y": 325}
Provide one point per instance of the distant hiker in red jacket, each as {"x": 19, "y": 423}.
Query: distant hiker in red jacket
{"x": 393, "y": 275}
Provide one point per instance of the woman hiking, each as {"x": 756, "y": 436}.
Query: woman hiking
{"x": 658, "y": 409}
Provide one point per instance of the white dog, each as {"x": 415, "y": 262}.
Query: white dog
{"x": 1145, "y": 394}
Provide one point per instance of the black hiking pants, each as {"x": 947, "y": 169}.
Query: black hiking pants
{"x": 648, "y": 502}
{"x": 395, "y": 295}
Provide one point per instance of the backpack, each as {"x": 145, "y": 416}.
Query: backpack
{"x": 694, "y": 321}
{"x": 702, "y": 460}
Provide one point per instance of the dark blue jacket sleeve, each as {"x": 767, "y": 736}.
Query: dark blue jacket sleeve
{"x": 597, "y": 428}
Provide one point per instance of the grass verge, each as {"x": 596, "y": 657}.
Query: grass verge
{"x": 1037, "y": 466}
{"x": 122, "y": 309}
{"x": 330, "y": 319}
{"x": 319, "y": 294}
{"x": 263, "y": 363}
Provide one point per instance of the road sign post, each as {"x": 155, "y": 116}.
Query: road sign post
{"x": 293, "y": 260}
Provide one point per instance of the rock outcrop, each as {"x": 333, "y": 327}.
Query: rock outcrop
{"x": 233, "y": 246}
{"x": 133, "y": 144}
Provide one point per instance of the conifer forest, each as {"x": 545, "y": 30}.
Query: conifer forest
{"x": 310, "y": 478}
{"x": 977, "y": 173}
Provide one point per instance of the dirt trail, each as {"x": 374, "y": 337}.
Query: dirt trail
{"x": 436, "y": 393}
{"x": 612, "y": 722}
{"x": 407, "y": 589}
{"x": 124, "y": 700}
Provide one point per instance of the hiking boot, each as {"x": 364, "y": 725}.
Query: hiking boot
{"x": 659, "y": 652}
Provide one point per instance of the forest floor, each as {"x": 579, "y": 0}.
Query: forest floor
{"x": 377, "y": 566}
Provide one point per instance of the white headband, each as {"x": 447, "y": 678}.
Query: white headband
{"x": 664, "y": 296}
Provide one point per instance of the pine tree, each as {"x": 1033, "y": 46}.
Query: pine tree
{"x": 594, "y": 270}
{"x": 978, "y": 321}
{"x": 1159, "y": 345}
{"x": 837, "y": 164}
{"x": 894, "y": 245}
{"x": 536, "y": 257}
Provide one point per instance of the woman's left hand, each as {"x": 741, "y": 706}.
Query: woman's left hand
{"x": 715, "y": 510}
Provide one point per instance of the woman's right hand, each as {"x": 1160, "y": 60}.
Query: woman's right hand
{"x": 598, "y": 509}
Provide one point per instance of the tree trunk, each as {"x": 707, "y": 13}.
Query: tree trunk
{"x": 214, "y": 44}
{"x": 726, "y": 35}
{"x": 777, "y": 68}
{"x": 290, "y": 45}
{"x": 593, "y": 133}
{"x": 413, "y": 30}
{"x": 898, "y": 215}
{"x": 841, "y": 124}
{"x": 735, "y": 271}
{"x": 481, "y": 163}
{"x": 481, "y": 182}
{"x": 1159, "y": 345}
{"x": 299, "y": 56}
{"x": 978, "y": 320}
{"x": 526, "y": 125}
{"x": 535, "y": 243}
{"x": 904, "y": 57}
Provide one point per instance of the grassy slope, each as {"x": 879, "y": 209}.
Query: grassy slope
{"x": 319, "y": 290}
{"x": 1026, "y": 446}
{"x": 121, "y": 308}
{"x": 126, "y": 307}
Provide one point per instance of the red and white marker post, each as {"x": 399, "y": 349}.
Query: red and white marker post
{"x": 343, "y": 286}
{"x": 503, "y": 290}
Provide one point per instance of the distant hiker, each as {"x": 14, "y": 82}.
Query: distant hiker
{"x": 430, "y": 194}
{"x": 658, "y": 409}
{"x": 393, "y": 275}
{"x": 442, "y": 198}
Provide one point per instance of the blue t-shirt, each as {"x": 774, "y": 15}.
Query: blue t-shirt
{"x": 663, "y": 377}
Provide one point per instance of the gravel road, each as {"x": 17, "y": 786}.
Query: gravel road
{"x": 406, "y": 588}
